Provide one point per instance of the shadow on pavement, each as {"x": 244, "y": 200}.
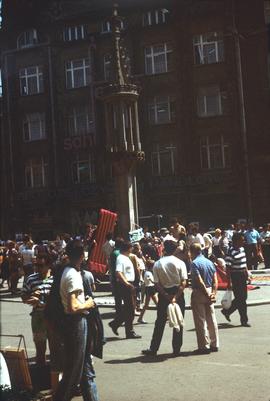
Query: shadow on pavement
{"x": 140, "y": 358}
{"x": 111, "y": 339}
{"x": 107, "y": 315}
{"x": 222, "y": 326}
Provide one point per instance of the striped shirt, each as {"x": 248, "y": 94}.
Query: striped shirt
{"x": 35, "y": 282}
{"x": 236, "y": 259}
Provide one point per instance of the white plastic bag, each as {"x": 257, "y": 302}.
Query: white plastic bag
{"x": 227, "y": 299}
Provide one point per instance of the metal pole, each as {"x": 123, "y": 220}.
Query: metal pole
{"x": 242, "y": 113}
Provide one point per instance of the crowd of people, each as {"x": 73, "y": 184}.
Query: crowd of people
{"x": 159, "y": 268}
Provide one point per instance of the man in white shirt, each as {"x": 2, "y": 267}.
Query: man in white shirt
{"x": 125, "y": 275}
{"x": 78, "y": 368}
{"x": 194, "y": 237}
{"x": 170, "y": 276}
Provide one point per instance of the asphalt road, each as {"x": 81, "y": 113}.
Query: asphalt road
{"x": 239, "y": 371}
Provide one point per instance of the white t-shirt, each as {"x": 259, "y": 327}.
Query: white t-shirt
{"x": 108, "y": 247}
{"x": 27, "y": 256}
{"x": 125, "y": 266}
{"x": 216, "y": 241}
{"x": 169, "y": 271}
{"x": 71, "y": 281}
{"x": 195, "y": 239}
{"x": 148, "y": 279}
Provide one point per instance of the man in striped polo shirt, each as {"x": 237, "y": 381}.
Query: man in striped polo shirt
{"x": 237, "y": 272}
{"x": 35, "y": 291}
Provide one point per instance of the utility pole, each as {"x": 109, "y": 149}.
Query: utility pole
{"x": 243, "y": 122}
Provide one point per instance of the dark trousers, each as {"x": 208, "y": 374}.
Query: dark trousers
{"x": 266, "y": 255}
{"x": 239, "y": 286}
{"x": 162, "y": 306}
{"x": 252, "y": 256}
{"x": 126, "y": 307}
{"x": 117, "y": 297}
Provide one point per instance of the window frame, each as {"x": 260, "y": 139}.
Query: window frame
{"x": 68, "y": 34}
{"x": 152, "y": 55}
{"x": 73, "y": 114}
{"x": 155, "y": 103}
{"x": 153, "y": 17}
{"x": 38, "y": 75}
{"x": 202, "y": 45}
{"x": 158, "y": 151}
{"x": 28, "y": 131}
{"x": 91, "y": 170}
{"x": 23, "y": 35}
{"x": 29, "y": 166}
{"x": 205, "y": 112}
{"x": 107, "y": 67}
{"x": 85, "y": 68}
{"x": 220, "y": 143}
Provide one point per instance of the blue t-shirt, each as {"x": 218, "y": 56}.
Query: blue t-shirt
{"x": 203, "y": 267}
{"x": 252, "y": 236}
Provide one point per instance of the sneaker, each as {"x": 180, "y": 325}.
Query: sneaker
{"x": 225, "y": 314}
{"x": 149, "y": 352}
{"x": 141, "y": 321}
{"x": 214, "y": 349}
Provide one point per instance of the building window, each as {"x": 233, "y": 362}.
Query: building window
{"x": 106, "y": 26}
{"x": 27, "y": 39}
{"x": 163, "y": 160}
{"x": 1, "y": 84}
{"x": 267, "y": 11}
{"x": 155, "y": 17}
{"x": 83, "y": 172}
{"x": 36, "y": 173}
{"x": 31, "y": 80}
{"x": 161, "y": 110}
{"x": 158, "y": 59}
{"x": 71, "y": 33}
{"x": 209, "y": 102}
{"x": 214, "y": 152}
{"x": 208, "y": 48}
{"x": 79, "y": 121}
{"x": 107, "y": 67}
{"x": 77, "y": 73}
{"x": 34, "y": 127}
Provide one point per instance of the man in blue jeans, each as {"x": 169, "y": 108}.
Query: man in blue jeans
{"x": 78, "y": 368}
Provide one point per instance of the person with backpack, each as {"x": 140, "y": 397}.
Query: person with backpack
{"x": 78, "y": 368}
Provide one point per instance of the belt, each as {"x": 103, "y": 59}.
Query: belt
{"x": 238, "y": 270}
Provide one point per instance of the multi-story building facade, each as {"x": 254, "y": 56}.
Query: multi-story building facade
{"x": 203, "y": 69}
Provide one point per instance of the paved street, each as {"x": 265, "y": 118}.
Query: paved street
{"x": 240, "y": 371}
